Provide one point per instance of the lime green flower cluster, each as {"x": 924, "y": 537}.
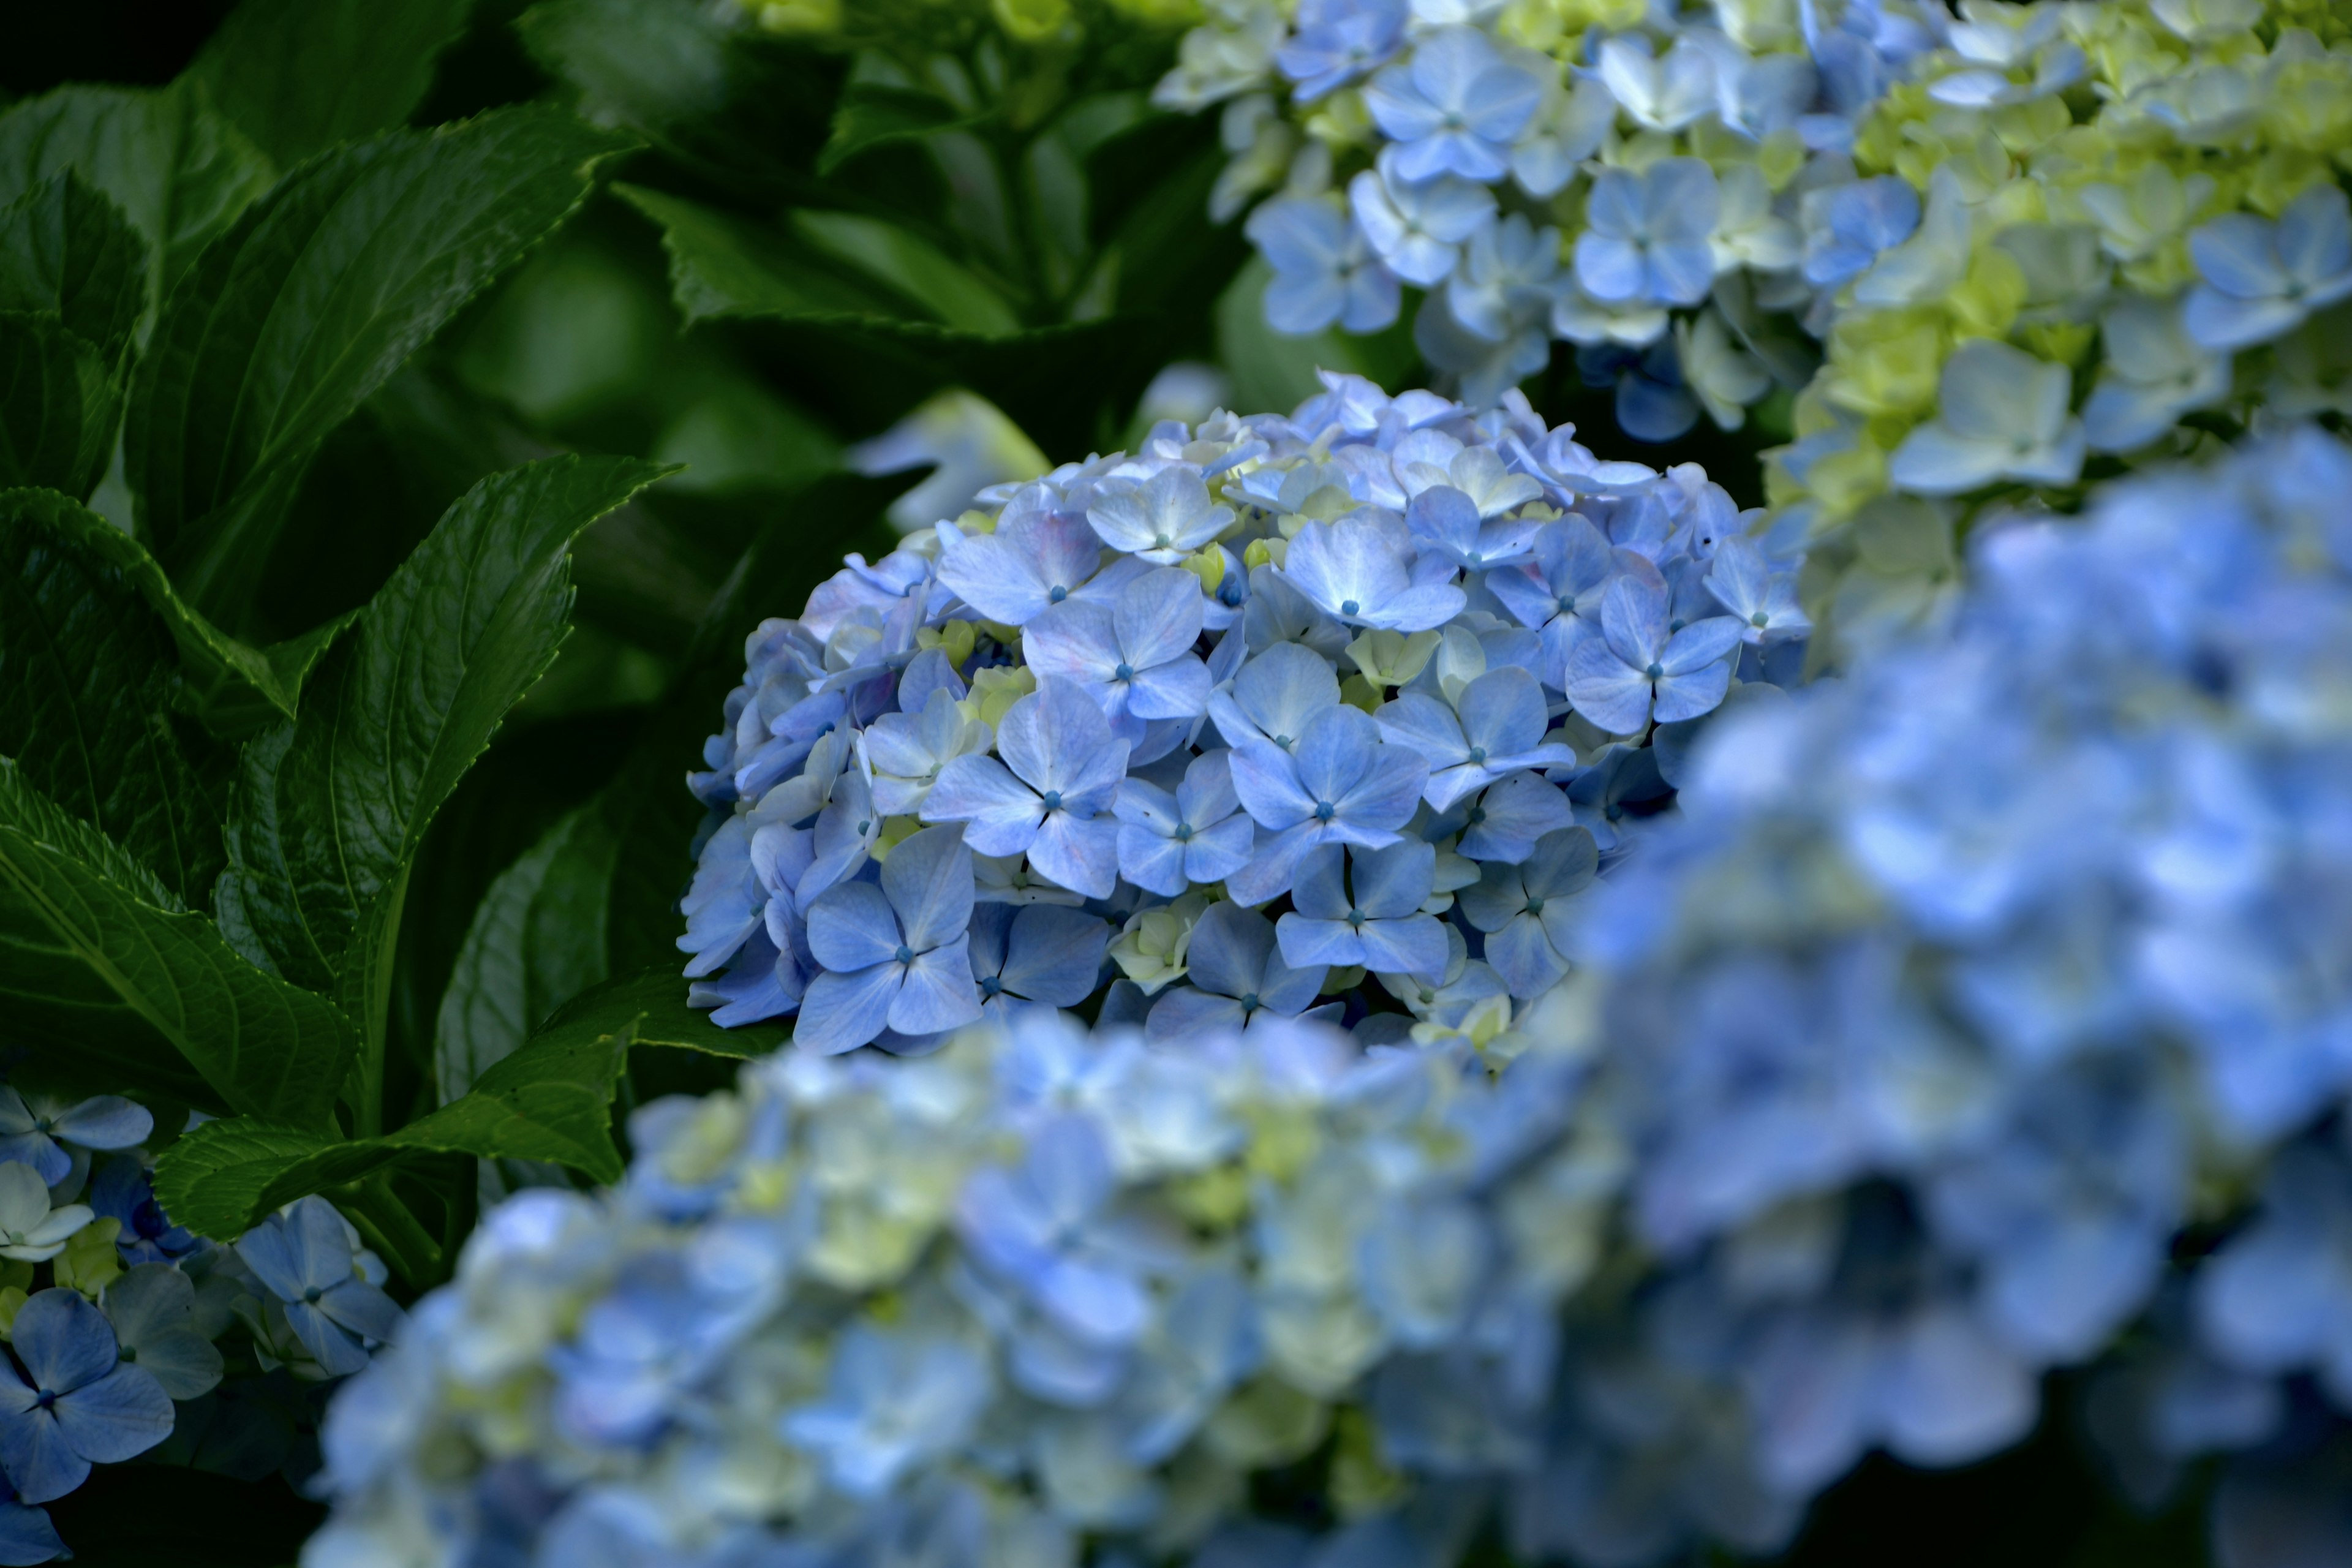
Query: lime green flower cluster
{"x": 2124, "y": 266}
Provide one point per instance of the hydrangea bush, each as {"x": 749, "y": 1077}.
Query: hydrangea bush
{"x": 1976, "y": 1015}
{"x": 1986, "y": 250}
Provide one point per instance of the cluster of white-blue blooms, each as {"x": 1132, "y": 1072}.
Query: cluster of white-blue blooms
{"x": 1981, "y": 1013}
{"x": 1980, "y": 246}
{"x": 1266, "y": 707}
{"x": 114, "y": 1316}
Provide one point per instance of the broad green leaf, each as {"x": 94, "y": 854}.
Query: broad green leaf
{"x": 947, "y": 291}
{"x": 721, "y": 264}
{"x": 329, "y": 810}
{"x": 299, "y": 76}
{"x": 107, "y": 985}
{"x": 58, "y": 405}
{"x": 874, "y": 114}
{"x": 656, "y": 1001}
{"x": 65, "y": 247}
{"x": 179, "y": 170}
{"x": 746, "y": 110}
{"x": 234, "y": 688}
{"x": 536, "y": 938}
{"x": 312, "y": 302}
{"x": 550, "y": 1100}
{"x": 88, "y": 684}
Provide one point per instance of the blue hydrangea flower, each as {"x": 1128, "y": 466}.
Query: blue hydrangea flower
{"x": 1326, "y": 272}
{"x": 1337, "y": 41}
{"x": 1454, "y": 108}
{"x": 27, "y": 1534}
{"x": 1743, "y": 582}
{"x": 1638, "y": 668}
{"x": 1336, "y": 784}
{"x": 1363, "y": 907}
{"x": 895, "y": 953}
{"x": 1038, "y": 556}
{"x": 1133, "y": 656}
{"x": 1050, "y": 797}
{"x": 2261, "y": 279}
{"x": 1198, "y": 835}
{"x": 122, "y": 1190}
{"x": 31, "y": 1231}
{"x": 2001, "y": 414}
{"x": 1526, "y": 912}
{"x": 1848, "y": 227}
{"x": 2273, "y": 1299}
{"x": 1237, "y": 974}
{"x": 308, "y": 1258}
{"x": 892, "y": 1400}
{"x": 1363, "y": 571}
{"x": 1495, "y": 727}
{"x": 49, "y": 1134}
{"x": 1645, "y": 239}
{"x": 1046, "y": 953}
{"x": 69, "y": 1402}
{"x": 1161, "y": 519}
{"x": 151, "y": 1308}
{"x": 1417, "y": 229}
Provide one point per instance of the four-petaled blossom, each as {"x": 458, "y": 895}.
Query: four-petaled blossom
{"x": 1050, "y": 796}
{"x": 308, "y": 1258}
{"x": 1639, "y": 668}
{"x": 1418, "y": 230}
{"x": 1336, "y": 784}
{"x": 1275, "y": 696}
{"x": 153, "y": 1309}
{"x": 2263, "y": 278}
{"x": 30, "y": 1231}
{"x": 1161, "y": 519}
{"x": 1661, "y": 94}
{"x": 1454, "y": 108}
{"x": 1526, "y": 910}
{"x": 69, "y": 1402}
{"x": 895, "y": 955}
{"x": 2155, "y": 374}
{"x": 1447, "y": 524}
{"x": 1850, "y": 227}
{"x": 1036, "y": 557}
{"x": 1363, "y": 907}
{"x": 1337, "y": 41}
{"x": 892, "y": 1400}
{"x": 1646, "y": 235}
{"x": 1168, "y": 842}
{"x": 1559, "y": 591}
{"x": 1133, "y": 656}
{"x": 1238, "y": 974}
{"x": 904, "y": 751}
{"x": 1363, "y": 570}
{"x": 1495, "y": 727}
{"x": 2001, "y": 414}
{"x": 1047, "y": 954}
{"x": 33, "y": 1131}
{"x": 1325, "y": 271}
{"x": 1762, "y": 600}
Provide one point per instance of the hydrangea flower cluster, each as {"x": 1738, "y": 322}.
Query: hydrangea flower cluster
{"x": 114, "y": 1317}
{"x": 1272, "y": 705}
{"x": 1979, "y": 1013}
{"x": 1981, "y": 248}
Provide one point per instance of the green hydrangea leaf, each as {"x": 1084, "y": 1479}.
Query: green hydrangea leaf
{"x": 66, "y": 246}
{"x": 310, "y": 303}
{"x": 58, "y": 405}
{"x": 299, "y": 76}
{"x": 874, "y": 114}
{"x": 109, "y": 983}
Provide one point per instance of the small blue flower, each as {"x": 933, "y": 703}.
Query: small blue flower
{"x": 1417, "y": 229}
{"x": 1338, "y": 784}
{"x": 1161, "y": 519}
{"x": 1495, "y": 727}
{"x": 308, "y": 1258}
{"x": 1526, "y": 910}
{"x": 1454, "y": 108}
{"x": 1636, "y": 667}
{"x": 1275, "y": 696}
{"x": 892, "y": 1400}
{"x": 1762, "y": 600}
{"x": 896, "y": 954}
{"x": 1337, "y": 41}
{"x": 1050, "y": 797}
{"x": 1325, "y": 271}
{"x": 2263, "y": 278}
{"x": 1169, "y": 842}
{"x": 1449, "y": 525}
{"x": 1133, "y": 656}
{"x": 1363, "y": 907}
{"x": 1046, "y": 953}
{"x": 47, "y": 1133}
{"x": 69, "y": 1402}
{"x": 1559, "y": 591}
{"x": 1038, "y": 556}
{"x": 1645, "y": 237}
{"x": 153, "y": 1310}
{"x": 122, "y": 1190}
{"x": 1364, "y": 571}
{"x": 1848, "y": 227}
{"x": 1238, "y": 974}
{"x": 1504, "y": 822}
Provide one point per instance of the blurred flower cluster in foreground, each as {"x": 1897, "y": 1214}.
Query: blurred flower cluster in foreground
{"x": 1980, "y": 1012}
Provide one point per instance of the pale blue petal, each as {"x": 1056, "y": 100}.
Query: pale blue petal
{"x": 843, "y": 1012}
{"x": 852, "y": 927}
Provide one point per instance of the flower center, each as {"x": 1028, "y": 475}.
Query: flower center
{"x": 1184, "y": 833}
{"x": 1124, "y": 672}
{"x": 1283, "y": 742}
{"x": 1760, "y": 619}
{"x": 1325, "y": 811}
{"x": 1160, "y": 541}
{"x": 1349, "y": 607}
{"x": 1250, "y": 1003}
{"x": 1477, "y": 753}
{"x": 1356, "y": 919}
{"x": 312, "y": 1295}
{"x": 1473, "y": 558}
{"x": 905, "y": 954}
{"x": 1056, "y": 593}
{"x": 990, "y": 985}
{"x": 1534, "y": 904}
{"x": 1052, "y": 800}
{"x": 1477, "y": 814}
{"x": 1656, "y": 672}
{"x": 1567, "y": 603}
